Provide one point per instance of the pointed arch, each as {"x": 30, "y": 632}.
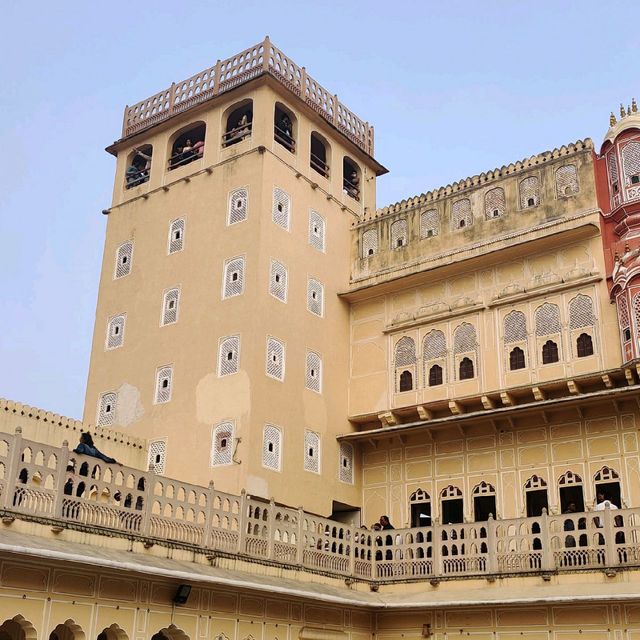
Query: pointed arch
{"x": 18, "y": 628}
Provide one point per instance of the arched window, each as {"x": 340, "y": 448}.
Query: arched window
{"x": 176, "y": 236}
{"x": 547, "y": 319}
{"x": 581, "y": 312}
{"x": 170, "y": 304}
{"x": 405, "y": 352}
{"x": 188, "y": 145}
{"x": 238, "y": 206}
{"x": 623, "y": 317}
{"x": 465, "y": 350}
{"x": 571, "y": 492}
{"x": 164, "y": 379}
{"x": 398, "y": 234}
{"x": 434, "y": 352}
{"x": 222, "y": 444}
{"x": 406, "y": 381}
{"x": 68, "y": 630}
{"x": 536, "y": 496}
{"x": 429, "y": 224}
{"x": 567, "y": 181}
{"x": 515, "y": 327}
{"x": 369, "y": 243}
{"x": 238, "y": 123}
{"x": 275, "y": 359}
{"x": 607, "y": 484}
{"x": 278, "y": 280}
{"x": 281, "y": 208}
{"x": 315, "y": 297}
{"x": 115, "y": 332}
{"x": 631, "y": 163}
{"x": 233, "y": 277}
{"x": 484, "y": 502}
{"x": 550, "y": 352}
{"x": 451, "y": 505}
{"x": 494, "y": 203}
{"x": 319, "y": 156}
{"x": 157, "y": 455}
{"x": 284, "y": 122}
{"x": 516, "y": 359}
{"x": 466, "y": 369}
{"x": 351, "y": 178}
{"x": 529, "y": 192}
{"x": 313, "y": 378}
{"x": 311, "y": 451}
{"x": 228, "y": 355}
{"x": 346, "y": 463}
{"x": 106, "y": 409}
{"x": 124, "y": 256}
{"x": 612, "y": 165}
{"x": 461, "y": 215}
{"x": 138, "y": 166}
{"x": 271, "y": 447}
{"x": 420, "y": 506}
{"x": 584, "y": 345}
{"x": 435, "y": 375}
{"x": 17, "y": 628}
{"x": 316, "y": 230}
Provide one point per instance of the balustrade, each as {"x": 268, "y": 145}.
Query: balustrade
{"x": 64, "y": 488}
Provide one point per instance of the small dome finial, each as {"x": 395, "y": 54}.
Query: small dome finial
{"x": 612, "y": 120}
{"x": 622, "y": 111}
{"x": 634, "y": 106}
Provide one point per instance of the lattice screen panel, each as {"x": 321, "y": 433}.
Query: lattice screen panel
{"x": 464, "y": 338}
{"x": 399, "y": 234}
{"x": 315, "y": 297}
{"x": 275, "y": 359}
{"x": 222, "y": 444}
{"x": 346, "y": 463}
{"x": 529, "y": 192}
{"x": 278, "y": 280}
{"x": 124, "y": 256}
{"x": 164, "y": 379}
{"x": 316, "y": 230}
{"x": 115, "y": 332}
{"x": 515, "y": 327}
{"x": 567, "y": 180}
{"x": 107, "y": 409}
{"x": 170, "y": 306}
{"x": 405, "y": 352}
{"x": 228, "y": 355}
{"x": 176, "y": 236}
{"x": 547, "y": 319}
{"x": 313, "y": 377}
{"x": 369, "y": 243}
{"x": 461, "y": 214}
{"x": 281, "y": 208}
{"x": 157, "y": 455}
{"x": 271, "y": 447}
{"x": 434, "y": 345}
{"x": 631, "y": 160}
{"x": 238, "y": 206}
{"x": 311, "y": 451}
{"x": 233, "y": 277}
{"x": 581, "y": 312}
{"x": 494, "y": 203}
{"x": 429, "y": 224}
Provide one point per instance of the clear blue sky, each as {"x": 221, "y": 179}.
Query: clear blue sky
{"x": 453, "y": 88}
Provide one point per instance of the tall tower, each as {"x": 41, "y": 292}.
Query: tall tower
{"x": 219, "y": 332}
{"x": 618, "y": 182}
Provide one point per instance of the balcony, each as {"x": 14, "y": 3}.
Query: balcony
{"x": 63, "y": 489}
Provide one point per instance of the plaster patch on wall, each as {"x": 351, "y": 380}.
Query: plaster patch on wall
{"x": 219, "y": 399}
{"x": 130, "y": 407}
{"x": 257, "y": 486}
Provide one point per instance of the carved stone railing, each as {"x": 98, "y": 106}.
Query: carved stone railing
{"x": 236, "y": 70}
{"x": 63, "y": 488}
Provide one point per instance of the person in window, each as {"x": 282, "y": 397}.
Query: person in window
{"x": 87, "y": 448}
{"x": 198, "y": 148}
{"x": 242, "y": 128}
{"x": 138, "y": 170}
{"x": 351, "y": 184}
{"x": 385, "y": 523}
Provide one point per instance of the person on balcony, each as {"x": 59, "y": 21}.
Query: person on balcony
{"x": 87, "y": 448}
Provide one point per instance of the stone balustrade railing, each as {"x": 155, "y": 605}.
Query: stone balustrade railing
{"x": 236, "y": 70}
{"x": 56, "y": 485}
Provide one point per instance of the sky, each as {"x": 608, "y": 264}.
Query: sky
{"x": 453, "y": 89}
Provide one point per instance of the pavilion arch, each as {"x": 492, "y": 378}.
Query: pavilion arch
{"x": 607, "y": 482}
{"x": 194, "y": 132}
{"x": 17, "y": 628}
{"x": 285, "y": 126}
{"x": 571, "y": 490}
{"x": 536, "y": 496}
{"x": 114, "y": 632}
{"x": 68, "y": 630}
{"x": 320, "y": 154}
{"x": 170, "y": 633}
{"x": 237, "y": 122}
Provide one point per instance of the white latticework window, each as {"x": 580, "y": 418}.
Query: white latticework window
{"x": 547, "y": 319}
{"x": 635, "y": 303}
{"x": 369, "y": 243}
{"x": 228, "y": 355}
{"x": 515, "y": 327}
{"x": 567, "y": 180}
{"x": 115, "y": 332}
{"x": 581, "y": 312}
{"x": 281, "y": 208}
{"x": 434, "y": 345}
{"x": 464, "y": 338}
{"x": 612, "y": 163}
{"x": 233, "y": 277}
{"x": 271, "y": 447}
{"x": 176, "y": 236}
{"x": 157, "y": 456}
{"x": 316, "y": 230}
{"x": 315, "y": 297}
{"x": 631, "y": 162}
{"x": 124, "y": 256}
{"x": 222, "y": 444}
{"x": 311, "y": 451}
{"x": 164, "y": 378}
{"x": 170, "y": 306}
{"x": 106, "y": 409}
{"x": 429, "y": 224}
{"x": 313, "y": 377}
{"x": 346, "y": 463}
{"x": 238, "y": 206}
{"x": 494, "y": 203}
{"x": 275, "y": 359}
{"x": 405, "y": 352}
{"x": 278, "y": 278}
{"x": 461, "y": 215}
{"x": 623, "y": 317}
{"x": 398, "y": 234}
{"x": 529, "y": 192}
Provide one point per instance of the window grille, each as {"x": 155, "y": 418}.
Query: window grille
{"x": 623, "y": 311}
{"x": 124, "y": 256}
{"x": 494, "y": 203}
{"x": 316, "y": 230}
{"x": 516, "y": 359}
{"x": 164, "y": 377}
{"x": 529, "y": 192}
{"x": 157, "y": 456}
{"x": 346, "y": 463}
{"x": 419, "y": 496}
{"x": 515, "y": 327}
{"x": 107, "y": 409}
{"x": 170, "y": 306}
{"x": 584, "y": 345}
{"x": 233, "y": 277}
{"x": 275, "y": 359}
{"x": 429, "y": 224}
{"x": 115, "y": 332}
{"x": 314, "y": 372}
{"x": 535, "y": 482}
{"x": 369, "y": 243}
{"x": 222, "y": 444}
{"x": 606, "y": 474}
{"x": 281, "y": 208}
{"x": 238, "y": 206}
{"x": 398, "y": 234}
{"x": 630, "y": 161}
{"x": 569, "y": 478}
{"x": 461, "y": 215}
{"x": 228, "y": 355}
{"x": 315, "y": 297}
{"x": 547, "y": 319}
{"x": 405, "y": 352}
{"x": 567, "y": 180}
{"x": 581, "y": 312}
{"x": 434, "y": 345}
{"x": 176, "y": 236}
{"x": 450, "y": 492}
{"x": 311, "y": 451}
{"x": 464, "y": 338}
{"x": 484, "y": 489}
{"x": 636, "y": 308}
{"x": 550, "y": 353}
{"x": 612, "y": 163}
{"x": 278, "y": 281}
{"x": 271, "y": 447}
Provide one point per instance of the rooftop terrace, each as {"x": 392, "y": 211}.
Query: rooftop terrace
{"x": 263, "y": 58}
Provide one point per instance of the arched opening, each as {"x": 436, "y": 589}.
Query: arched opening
{"x": 188, "y": 145}
{"x": 170, "y": 633}
{"x": 138, "y": 166}
{"x": 571, "y": 493}
{"x": 466, "y": 369}
{"x": 68, "y": 630}
{"x": 484, "y": 502}
{"x": 17, "y": 628}
{"x": 114, "y": 632}
{"x": 607, "y": 483}
{"x": 406, "y": 381}
{"x": 550, "y": 352}
{"x": 319, "y": 156}
{"x": 516, "y": 359}
{"x": 451, "y": 505}
{"x": 435, "y": 375}
{"x": 284, "y": 122}
{"x": 536, "y": 496}
{"x": 584, "y": 345}
{"x": 238, "y": 124}
{"x": 351, "y": 178}
{"x": 420, "y": 504}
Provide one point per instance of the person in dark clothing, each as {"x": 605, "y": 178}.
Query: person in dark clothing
{"x": 87, "y": 448}
{"x": 385, "y": 524}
